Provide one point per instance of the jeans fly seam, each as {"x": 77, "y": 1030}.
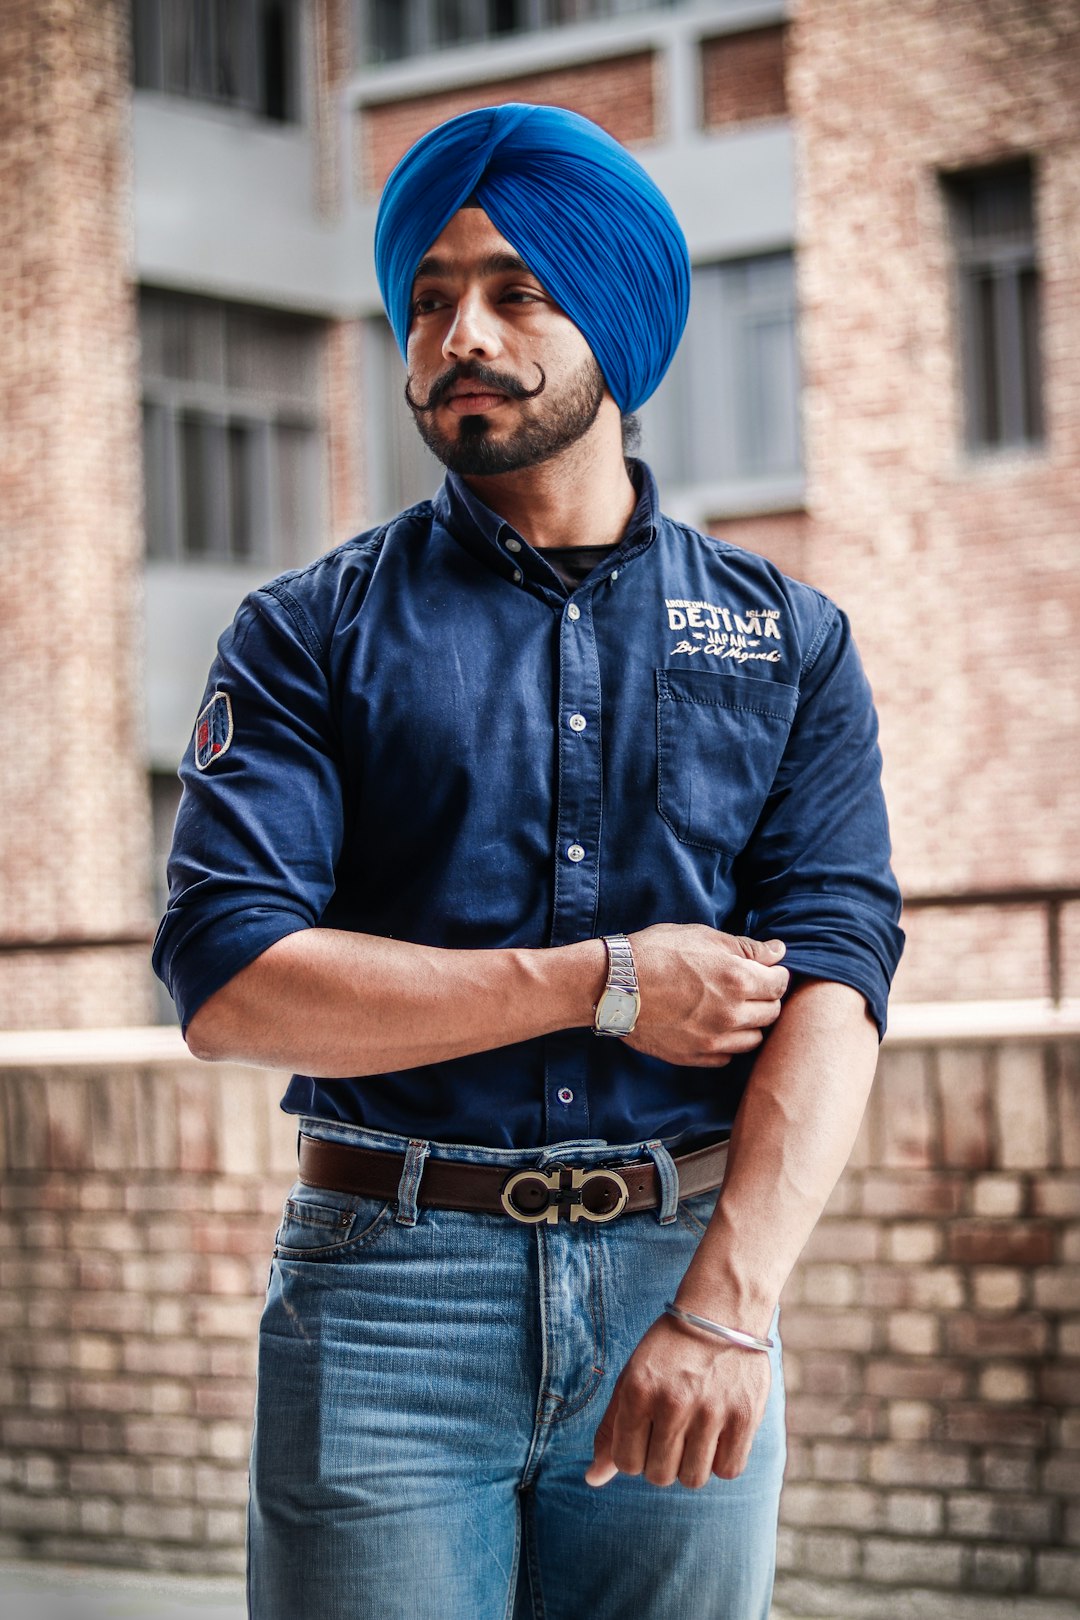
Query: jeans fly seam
{"x": 596, "y": 1314}
{"x": 541, "y": 1427}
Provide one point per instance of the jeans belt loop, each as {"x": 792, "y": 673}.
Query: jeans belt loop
{"x": 669, "y": 1182}
{"x": 409, "y": 1185}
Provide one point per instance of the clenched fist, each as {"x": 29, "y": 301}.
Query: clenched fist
{"x": 705, "y": 996}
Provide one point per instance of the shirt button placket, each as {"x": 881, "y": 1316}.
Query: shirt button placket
{"x": 577, "y": 848}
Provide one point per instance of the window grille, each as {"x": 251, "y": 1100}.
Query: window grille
{"x": 233, "y": 443}
{"x": 728, "y": 410}
{"x": 241, "y": 53}
{"x": 994, "y": 240}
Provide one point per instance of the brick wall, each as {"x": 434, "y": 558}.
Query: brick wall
{"x": 742, "y": 77}
{"x": 780, "y": 536}
{"x": 932, "y": 1330}
{"x": 138, "y": 1210}
{"x": 933, "y": 1338}
{"x": 332, "y": 53}
{"x": 984, "y": 953}
{"x": 619, "y": 94}
{"x": 73, "y": 807}
{"x": 345, "y": 437}
{"x": 959, "y": 573}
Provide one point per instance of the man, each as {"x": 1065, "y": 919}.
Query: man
{"x": 494, "y": 821}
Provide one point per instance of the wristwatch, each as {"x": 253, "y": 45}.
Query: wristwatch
{"x": 618, "y": 1007}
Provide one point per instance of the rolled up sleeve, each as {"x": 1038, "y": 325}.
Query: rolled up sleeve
{"x": 816, "y": 871}
{"x": 259, "y": 829}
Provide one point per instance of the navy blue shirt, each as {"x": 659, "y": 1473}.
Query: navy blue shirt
{"x": 424, "y": 735}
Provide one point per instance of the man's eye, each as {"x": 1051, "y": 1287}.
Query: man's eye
{"x": 425, "y": 304}
{"x": 520, "y": 295}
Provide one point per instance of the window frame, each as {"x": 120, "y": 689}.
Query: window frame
{"x": 219, "y": 409}
{"x": 151, "y": 21}
{"x": 1001, "y": 382}
{"x": 422, "y": 34}
{"x": 727, "y": 478}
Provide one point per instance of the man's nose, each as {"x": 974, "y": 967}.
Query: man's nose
{"x": 473, "y": 332}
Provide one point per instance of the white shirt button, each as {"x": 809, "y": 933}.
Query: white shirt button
{"x": 614, "y": 575}
{"x": 578, "y": 722}
{"x": 573, "y": 612}
{"x": 565, "y": 1095}
{"x": 513, "y": 545}
{"x": 575, "y": 853}
{"x": 516, "y": 576}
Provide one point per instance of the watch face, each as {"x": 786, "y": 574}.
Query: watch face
{"x": 617, "y": 1012}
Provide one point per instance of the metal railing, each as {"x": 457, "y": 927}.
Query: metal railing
{"x": 1052, "y": 901}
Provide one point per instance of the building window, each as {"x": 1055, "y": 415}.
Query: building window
{"x": 401, "y": 470}
{"x": 233, "y": 443}
{"x": 993, "y": 225}
{"x": 727, "y": 413}
{"x": 725, "y": 420}
{"x": 393, "y": 29}
{"x": 241, "y": 53}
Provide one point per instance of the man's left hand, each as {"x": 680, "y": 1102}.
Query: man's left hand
{"x": 684, "y": 1408}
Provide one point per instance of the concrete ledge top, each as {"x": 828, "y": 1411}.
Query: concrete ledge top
{"x": 156, "y": 1043}
{"x": 915, "y": 1023}
{"x": 910, "y": 1024}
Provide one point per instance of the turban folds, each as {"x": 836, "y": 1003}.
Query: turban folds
{"x": 582, "y": 213}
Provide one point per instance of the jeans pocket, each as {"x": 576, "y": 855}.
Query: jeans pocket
{"x": 317, "y": 1222}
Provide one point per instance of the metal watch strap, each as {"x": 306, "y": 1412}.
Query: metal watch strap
{"x": 622, "y": 974}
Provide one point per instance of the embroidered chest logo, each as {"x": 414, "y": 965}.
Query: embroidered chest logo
{"x": 213, "y": 730}
{"x": 717, "y": 632}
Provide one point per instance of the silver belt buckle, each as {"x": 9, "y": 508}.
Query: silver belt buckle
{"x": 551, "y": 1182}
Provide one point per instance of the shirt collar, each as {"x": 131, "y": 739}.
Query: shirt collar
{"x": 485, "y": 533}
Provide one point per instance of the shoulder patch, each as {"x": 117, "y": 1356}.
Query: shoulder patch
{"x": 213, "y": 730}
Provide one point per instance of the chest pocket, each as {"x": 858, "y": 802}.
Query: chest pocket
{"x": 720, "y": 739}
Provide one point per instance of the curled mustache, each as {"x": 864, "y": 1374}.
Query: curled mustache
{"x": 472, "y": 371}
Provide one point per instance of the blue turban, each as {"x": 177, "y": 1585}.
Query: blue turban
{"x": 581, "y": 212}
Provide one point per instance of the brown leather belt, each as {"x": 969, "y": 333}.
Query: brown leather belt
{"x": 589, "y": 1193}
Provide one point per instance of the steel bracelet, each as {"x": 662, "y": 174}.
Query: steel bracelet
{"x": 746, "y": 1341}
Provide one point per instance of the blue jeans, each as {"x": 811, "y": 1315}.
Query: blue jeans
{"x": 430, "y": 1383}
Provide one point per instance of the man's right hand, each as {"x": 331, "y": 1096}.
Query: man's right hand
{"x": 705, "y": 996}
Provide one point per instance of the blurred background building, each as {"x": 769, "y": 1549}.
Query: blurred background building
{"x": 879, "y": 389}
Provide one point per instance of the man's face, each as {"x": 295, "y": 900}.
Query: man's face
{"x": 499, "y": 378}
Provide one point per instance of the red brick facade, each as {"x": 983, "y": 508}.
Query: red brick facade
{"x": 619, "y": 94}
{"x": 780, "y": 536}
{"x": 332, "y": 49}
{"x": 742, "y": 77}
{"x": 959, "y": 573}
{"x": 345, "y": 442}
{"x": 73, "y": 801}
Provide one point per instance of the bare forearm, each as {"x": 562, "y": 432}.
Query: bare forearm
{"x": 331, "y": 1003}
{"x": 794, "y": 1133}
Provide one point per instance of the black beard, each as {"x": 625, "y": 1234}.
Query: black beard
{"x": 473, "y": 452}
